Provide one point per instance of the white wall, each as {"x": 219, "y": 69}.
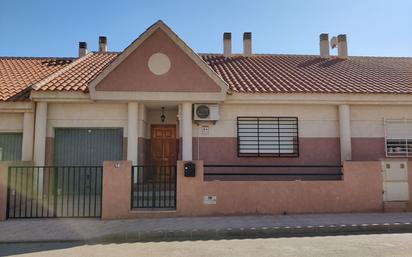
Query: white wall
{"x": 153, "y": 118}
{"x": 314, "y": 120}
{"x": 11, "y": 122}
{"x": 62, "y": 115}
{"x": 368, "y": 120}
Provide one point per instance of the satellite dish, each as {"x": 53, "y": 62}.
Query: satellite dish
{"x": 333, "y": 42}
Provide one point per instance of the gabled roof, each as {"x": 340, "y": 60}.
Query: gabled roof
{"x": 18, "y": 74}
{"x": 259, "y": 73}
{"x": 266, "y": 73}
{"x": 135, "y": 44}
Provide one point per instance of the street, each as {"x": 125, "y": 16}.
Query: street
{"x": 353, "y": 245}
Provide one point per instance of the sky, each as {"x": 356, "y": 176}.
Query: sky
{"x": 54, "y": 27}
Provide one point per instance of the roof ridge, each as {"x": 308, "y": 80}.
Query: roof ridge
{"x": 42, "y": 82}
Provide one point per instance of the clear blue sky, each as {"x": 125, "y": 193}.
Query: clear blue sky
{"x": 53, "y": 28}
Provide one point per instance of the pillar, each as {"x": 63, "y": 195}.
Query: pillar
{"x": 28, "y": 136}
{"x": 132, "y": 131}
{"x": 187, "y": 131}
{"x": 345, "y": 133}
{"x": 40, "y": 134}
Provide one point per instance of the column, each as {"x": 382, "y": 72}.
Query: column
{"x": 28, "y": 136}
{"x": 132, "y": 135}
{"x": 40, "y": 134}
{"x": 344, "y": 133}
{"x": 187, "y": 131}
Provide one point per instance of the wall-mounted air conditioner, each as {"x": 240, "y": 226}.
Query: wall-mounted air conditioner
{"x": 206, "y": 112}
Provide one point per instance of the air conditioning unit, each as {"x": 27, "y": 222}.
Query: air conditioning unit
{"x": 206, "y": 112}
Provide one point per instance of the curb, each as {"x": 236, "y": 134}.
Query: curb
{"x": 237, "y": 233}
{"x": 262, "y": 232}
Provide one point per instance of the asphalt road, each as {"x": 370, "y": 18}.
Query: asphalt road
{"x": 354, "y": 245}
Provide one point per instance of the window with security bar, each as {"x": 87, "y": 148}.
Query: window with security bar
{"x": 398, "y": 138}
{"x": 268, "y": 136}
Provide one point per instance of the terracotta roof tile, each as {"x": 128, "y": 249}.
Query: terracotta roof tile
{"x": 17, "y": 74}
{"x": 312, "y": 74}
{"x": 79, "y": 74}
{"x": 255, "y": 74}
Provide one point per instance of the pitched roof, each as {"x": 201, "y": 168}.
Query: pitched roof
{"x": 17, "y": 74}
{"x": 254, "y": 74}
{"x": 78, "y": 75}
{"x": 312, "y": 74}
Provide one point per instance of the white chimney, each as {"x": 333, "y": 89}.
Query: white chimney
{"x": 342, "y": 46}
{"x": 324, "y": 45}
{"x": 247, "y": 43}
{"x": 102, "y": 44}
{"x": 227, "y": 44}
{"x": 82, "y": 49}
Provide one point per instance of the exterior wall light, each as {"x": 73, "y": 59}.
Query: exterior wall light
{"x": 163, "y": 117}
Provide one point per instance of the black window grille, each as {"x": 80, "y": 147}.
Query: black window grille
{"x": 268, "y": 136}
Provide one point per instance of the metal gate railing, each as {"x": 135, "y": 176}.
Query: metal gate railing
{"x": 153, "y": 187}
{"x": 54, "y": 191}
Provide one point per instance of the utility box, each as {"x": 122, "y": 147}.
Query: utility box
{"x": 190, "y": 169}
{"x": 395, "y": 180}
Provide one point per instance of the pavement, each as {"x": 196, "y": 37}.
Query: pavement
{"x": 325, "y": 246}
{"x": 201, "y": 228}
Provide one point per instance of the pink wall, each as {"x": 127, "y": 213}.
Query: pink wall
{"x": 133, "y": 73}
{"x": 116, "y": 195}
{"x": 360, "y": 191}
{"x": 223, "y": 150}
{"x": 368, "y": 149}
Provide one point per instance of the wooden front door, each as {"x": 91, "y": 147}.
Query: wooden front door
{"x": 163, "y": 145}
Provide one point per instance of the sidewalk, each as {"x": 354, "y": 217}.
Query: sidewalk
{"x": 94, "y": 230}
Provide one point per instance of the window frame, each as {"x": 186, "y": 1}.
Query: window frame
{"x": 295, "y": 144}
{"x": 408, "y": 140}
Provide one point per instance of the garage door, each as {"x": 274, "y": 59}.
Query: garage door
{"x": 87, "y": 146}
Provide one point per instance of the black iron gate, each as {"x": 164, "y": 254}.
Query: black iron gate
{"x": 153, "y": 187}
{"x": 51, "y": 191}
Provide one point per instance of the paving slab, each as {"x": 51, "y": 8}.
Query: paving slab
{"x": 191, "y": 228}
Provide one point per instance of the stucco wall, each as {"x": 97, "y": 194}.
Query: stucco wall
{"x": 318, "y": 132}
{"x": 318, "y": 128}
{"x": 61, "y": 115}
{"x": 367, "y": 129}
{"x": 11, "y": 122}
{"x": 360, "y": 191}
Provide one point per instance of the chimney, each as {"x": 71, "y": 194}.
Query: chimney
{"x": 342, "y": 46}
{"x": 324, "y": 45}
{"x": 102, "y": 44}
{"x": 227, "y": 44}
{"x": 82, "y": 49}
{"x": 247, "y": 43}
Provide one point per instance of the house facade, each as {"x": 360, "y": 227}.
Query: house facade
{"x": 290, "y": 117}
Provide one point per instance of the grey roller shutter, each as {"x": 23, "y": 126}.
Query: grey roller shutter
{"x": 87, "y": 146}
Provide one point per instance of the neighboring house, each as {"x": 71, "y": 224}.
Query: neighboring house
{"x": 158, "y": 101}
